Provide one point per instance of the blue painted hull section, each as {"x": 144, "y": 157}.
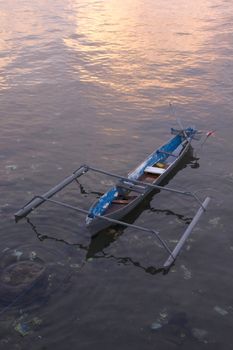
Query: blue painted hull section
{"x": 156, "y": 156}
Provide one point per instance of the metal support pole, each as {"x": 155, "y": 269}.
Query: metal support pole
{"x": 186, "y": 234}
{"x": 38, "y": 200}
{"x": 184, "y": 131}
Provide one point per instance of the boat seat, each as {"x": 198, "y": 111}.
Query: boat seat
{"x": 120, "y": 201}
{"x": 154, "y": 170}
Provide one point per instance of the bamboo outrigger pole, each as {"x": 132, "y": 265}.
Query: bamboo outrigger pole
{"x": 38, "y": 200}
{"x": 186, "y": 235}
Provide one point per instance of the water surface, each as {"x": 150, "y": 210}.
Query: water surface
{"x": 102, "y": 82}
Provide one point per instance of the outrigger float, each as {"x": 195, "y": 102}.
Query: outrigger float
{"x": 129, "y": 191}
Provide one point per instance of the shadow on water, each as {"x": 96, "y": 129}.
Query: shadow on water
{"x": 98, "y": 243}
{"x": 98, "y": 252}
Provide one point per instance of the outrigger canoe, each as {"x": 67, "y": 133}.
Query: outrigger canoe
{"x": 129, "y": 191}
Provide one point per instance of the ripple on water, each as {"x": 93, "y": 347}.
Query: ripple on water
{"x": 29, "y": 276}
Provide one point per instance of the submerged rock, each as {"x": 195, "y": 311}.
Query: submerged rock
{"x": 21, "y": 273}
{"x": 199, "y": 334}
{"x": 17, "y": 254}
{"x": 11, "y": 167}
{"x": 19, "y": 278}
{"x": 25, "y": 327}
{"x": 160, "y": 321}
{"x": 187, "y": 273}
{"x": 22, "y": 328}
{"x": 220, "y": 311}
{"x": 215, "y": 221}
{"x": 29, "y": 276}
{"x": 155, "y": 326}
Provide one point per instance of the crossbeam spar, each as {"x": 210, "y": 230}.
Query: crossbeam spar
{"x": 146, "y": 184}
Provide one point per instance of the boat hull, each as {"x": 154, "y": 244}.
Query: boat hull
{"x": 98, "y": 224}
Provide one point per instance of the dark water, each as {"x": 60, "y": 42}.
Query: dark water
{"x": 93, "y": 81}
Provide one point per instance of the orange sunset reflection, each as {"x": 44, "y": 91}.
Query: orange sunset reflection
{"x": 120, "y": 52}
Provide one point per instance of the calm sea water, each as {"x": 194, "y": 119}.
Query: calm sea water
{"x": 102, "y": 82}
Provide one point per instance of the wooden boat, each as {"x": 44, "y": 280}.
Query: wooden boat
{"x": 128, "y": 192}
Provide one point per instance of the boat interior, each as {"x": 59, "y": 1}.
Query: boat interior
{"x": 128, "y": 195}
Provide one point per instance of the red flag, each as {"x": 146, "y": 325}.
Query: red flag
{"x": 210, "y": 133}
